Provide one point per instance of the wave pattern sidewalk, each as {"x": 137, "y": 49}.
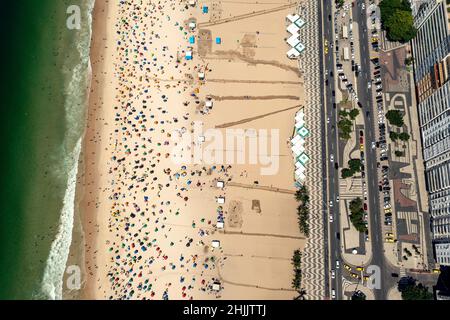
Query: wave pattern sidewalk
{"x": 313, "y": 261}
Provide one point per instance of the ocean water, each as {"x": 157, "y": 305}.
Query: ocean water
{"x": 45, "y": 74}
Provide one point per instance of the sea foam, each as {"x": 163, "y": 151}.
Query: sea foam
{"x": 75, "y": 104}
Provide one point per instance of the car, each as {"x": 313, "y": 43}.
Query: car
{"x": 337, "y": 264}
{"x": 390, "y": 240}
{"x": 336, "y": 165}
{"x": 333, "y": 274}
{"x": 328, "y": 119}
{"x": 367, "y": 237}
{"x": 331, "y": 204}
{"x": 379, "y": 86}
{"x": 331, "y": 73}
{"x": 329, "y": 17}
{"x": 361, "y": 147}
{"x": 338, "y": 235}
{"x": 337, "y": 198}
{"x": 333, "y": 294}
{"x": 394, "y": 275}
{"x": 374, "y": 145}
{"x": 331, "y": 218}
{"x": 361, "y": 133}
{"x": 365, "y": 206}
{"x": 389, "y": 234}
{"x": 347, "y": 267}
{"x": 360, "y": 268}
{"x": 369, "y": 85}
{"x": 331, "y": 157}
{"x": 379, "y": 93}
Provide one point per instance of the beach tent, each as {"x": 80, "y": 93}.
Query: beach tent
{"x": 215, "y": 243}
{"x": 292, "y": 18}
{"x": 201, "y": 75}
{"x": 300, "y": 47}
{"x": 292, "y": 28}
{"x": 220, "y": 184}
{"x": 209, "y": 103}
{"x": 220, "y": 225}
{"x": 216, "y": 286}
{"x": 293, "y": 41}
{"x": 191, "y": 39}
{"x": 295, "y": 139}
{"x": 218, "y": 40}
{"x": 221, "y": 200}
{"x": 205, "y": 9}
{"x": 201, "y": 139}
{"x": 192, "y": 2}
{"x": 293, "y": 53}
{"x": 192, "y": 25}
{"x": 188, "y": 55}
{"x": 299, "y": 22}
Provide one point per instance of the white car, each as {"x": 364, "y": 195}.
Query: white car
{"x": 369, "y": 85}
{"x": 332, "y": 157}
{"x": 331, "y": 204}
{"x": 333, "y": 294}
{"x": 379, "y": 93}
{"x": 379, "y": 86}
{"x": 333, "y": 274}
{"x": 374, "y": 145}
{"x": 331, "y": 218}
{"x": 337, "y": 264}
{"x": 337, "y": 198}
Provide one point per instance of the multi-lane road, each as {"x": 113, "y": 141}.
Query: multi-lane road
{"x": 332, "y": 143}
{"x": 369, "y": 112}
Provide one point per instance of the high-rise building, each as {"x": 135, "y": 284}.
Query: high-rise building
{"x": 431, "y": 51}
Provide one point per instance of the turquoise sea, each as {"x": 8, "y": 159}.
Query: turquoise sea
{"x": 44, "y": 76}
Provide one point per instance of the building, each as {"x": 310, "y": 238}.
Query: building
{"x": 431, "y": 52}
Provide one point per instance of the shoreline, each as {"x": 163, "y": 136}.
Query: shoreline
{"x": 85, "y": 186}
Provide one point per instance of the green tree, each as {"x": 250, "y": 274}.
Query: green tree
{"x": 358, "y": 295}
{"x": 411, "y": 290}
{"x": 346, "y": 173}
{"x": 393, "y": 135}
{"x": 395, "y": 118}
{"x": 353, "y": 113}
{"x": 389, "y": 7}
{"x": 345, "y": 128}
{"x": 357, "y": 214}
{"x": 354, "y": 165}
{"x": 404, "y": 136}
{"x": 399, "y": 153}
{"x": 400, "y": 26}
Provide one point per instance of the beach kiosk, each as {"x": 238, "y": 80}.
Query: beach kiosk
{"x": 220, "y": 225}
{"x": 220, "y": 184}
{"x": 216, "y": 286}
{"x": 201, "y": 76}
{"x": 221, "y": 200}
{"x": 192, "y": 25}
{"x": 188, "y": 55}
{"x": 201, "y": 139}
{"x": 209, "y": 104}
{"x": 215, "y": 243}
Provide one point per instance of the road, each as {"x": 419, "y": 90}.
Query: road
{"x": 371, "y": 158}
{"x": 331, "y": 148}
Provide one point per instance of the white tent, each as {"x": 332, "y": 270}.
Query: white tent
{"x": 221, "y": 200}
{"x": 293, "y": 40}
{"x": 292, "y": 18}
{"x": 215, "y": 243}
{"x": 293, "y": 53}
{"x": 292, "y": 28}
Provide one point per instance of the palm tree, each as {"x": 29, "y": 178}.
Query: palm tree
{"x": 301, "y": 294}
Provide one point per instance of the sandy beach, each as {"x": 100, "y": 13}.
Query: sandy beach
{"x": 150, "y": 222}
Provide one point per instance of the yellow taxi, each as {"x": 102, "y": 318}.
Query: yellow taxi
{"x": 436, "y": 271}
{"x": 361, "y": 147}
{"x": 388, "y": 210}
{"x": 366, "y": 278}
{"x": 354, "y": 275}
{"x": 359, "y": 268}
{"x": 347, "y": 267}
{"x": 390, "y": 240}
{"x": 389, "y": 235}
